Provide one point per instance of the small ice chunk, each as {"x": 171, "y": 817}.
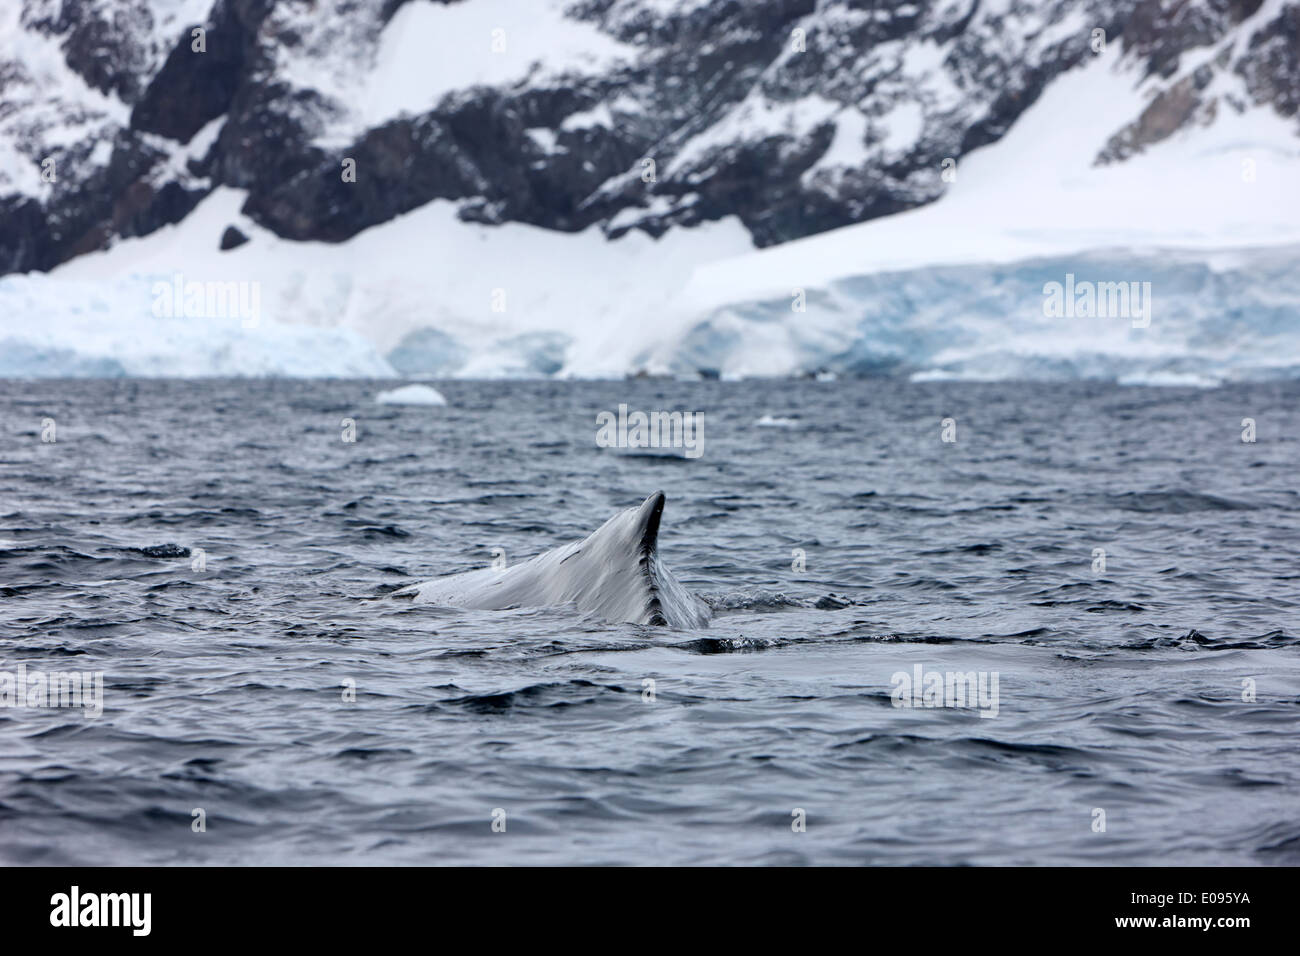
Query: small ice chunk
{"x": 411, "y": 395}
{"x": 769, "y": 421}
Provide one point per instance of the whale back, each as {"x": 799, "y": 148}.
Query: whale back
{"x": 614, "y": 573}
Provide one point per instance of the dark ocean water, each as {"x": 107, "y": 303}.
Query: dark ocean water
{"x": 1119, "y": 690}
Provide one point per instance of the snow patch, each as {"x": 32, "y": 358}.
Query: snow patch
{"x": 754, "y": 119}
{"x": 901, "y": 127}
{"x": 428, "y": 50}
{"x": 598, "y": 115}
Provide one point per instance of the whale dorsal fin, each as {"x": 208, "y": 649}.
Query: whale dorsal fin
{"x": 648, "y": 517}
{"x": 615, "y": 573}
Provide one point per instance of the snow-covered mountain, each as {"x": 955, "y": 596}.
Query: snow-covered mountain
{"x": 734, "y": 187}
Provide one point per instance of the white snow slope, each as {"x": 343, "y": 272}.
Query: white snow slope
{"x": 1209, "y": 217}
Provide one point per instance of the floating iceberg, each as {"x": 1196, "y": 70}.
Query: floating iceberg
{"x": 411, "y": 395}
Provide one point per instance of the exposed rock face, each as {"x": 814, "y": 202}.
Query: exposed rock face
{"x": 232, "y": 238}
{"x": 199, "y": 78}
{"x": 795, "y": 116}
{"x": 1240, "y": 68}
{"x": 1171, "y": 110}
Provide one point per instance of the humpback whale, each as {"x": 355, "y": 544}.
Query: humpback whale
{"x": 614, "y": 573}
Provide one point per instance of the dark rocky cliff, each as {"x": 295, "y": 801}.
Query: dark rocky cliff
{"x": 795, "y": 116}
